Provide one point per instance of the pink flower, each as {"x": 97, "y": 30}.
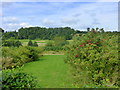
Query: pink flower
{"x": 81, "y": 45}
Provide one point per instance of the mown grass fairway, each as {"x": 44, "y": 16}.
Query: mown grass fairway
{"x": 51, "y": 71}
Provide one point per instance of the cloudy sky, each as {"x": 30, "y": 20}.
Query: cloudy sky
{"x": 78, "y": 15}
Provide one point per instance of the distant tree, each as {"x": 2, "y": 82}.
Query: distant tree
{"x": 30, "y": 43}
{"x": 1, "y": 30}
{"x": 97, "y": 29}
{"x": 49, "y": 33}
{"x": 102, "y": 29}
{"x": 59, "y": 41}
{"x": 8, "y": 35}
{"x": 93, "y": 29}
{"x": 11, "y": 43}
{"x": 18, "y": 43}
{"x": 88, "y": 29}
{"x": 50, "y": 43}
{"x": 35, "y": 44}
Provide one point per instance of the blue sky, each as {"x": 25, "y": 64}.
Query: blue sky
{"x": 78, "y": 15}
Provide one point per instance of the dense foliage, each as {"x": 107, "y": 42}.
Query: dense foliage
{"x": 56, "y": 44}
{"x": 17, "y": 79}
{"x": 17, "y": 56}
{"x": 11, "y": 43}
{"x": 8, "y": 35}
{"x": 1, "y": 30}
{"x": 40, "y": 33}
{"x": 53, "y": 48}
{"x": 30, "y": 43}
{"x": 43, "y": 33}
{"x": 93, "y": 58}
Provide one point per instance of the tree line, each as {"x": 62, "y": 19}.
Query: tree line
{"x": 45, "y": 33}
{"x": 14, "y": 43}
{"x": 40, "y": 33}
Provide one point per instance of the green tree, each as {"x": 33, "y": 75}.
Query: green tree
{"x": 11, "y": 43}
{"x": 35, "y": 44}
{"x": 18, "y": 43}
{"x": 102, "y": 29}
{"x": 30, "y": 43}
{"x": 94, "y": 60}
{"x": 59, "y": 41}
{"x": 97, "y": 29}
{"x": 88, "y": 29}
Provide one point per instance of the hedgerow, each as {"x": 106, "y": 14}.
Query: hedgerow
{"x": 18, "y": 56}
{"x": 93, "y": 58}
{"x": 17, "y": 79}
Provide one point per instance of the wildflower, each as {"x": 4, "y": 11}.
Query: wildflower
{"x": 90, "y": 43}
{"x": 76, "y": 48}
{"x": 81, "y": 45}
{"x": 76, "y": 55}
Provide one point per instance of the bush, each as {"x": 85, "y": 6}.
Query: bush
{"x": 59, "y": 41}
{"x": 53, "y": 48}
{"x": 34, "y": 52}
{"x": 50, "y": 44}
{"x": 35, "y": 44}
{"x": 18, "y": 56}
{"x": 57, "y": 44}
{"x": 17, "y": 79}
{"x": 30, "y": 43}
{"x": 94, "y": 59}
{"x": 11, "y": 43}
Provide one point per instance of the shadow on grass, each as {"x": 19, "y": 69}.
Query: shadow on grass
{"x": 39, "y": 59}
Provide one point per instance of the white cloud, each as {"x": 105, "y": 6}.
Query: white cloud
{"x": 10, "y": 19}
{"x": 70, "y": 20}
{"x": 12, "y": 24}
{"x": 108, "y": 0}
{"x": 79, "y": 16}
{"x": 15, "y": 26}
{"x": 47, "y": 21}
{"x": 23, "y": 24}
{"x": 94, "y": 15}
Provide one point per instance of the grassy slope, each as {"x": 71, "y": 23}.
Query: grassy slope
{"x": 51, "y": 71}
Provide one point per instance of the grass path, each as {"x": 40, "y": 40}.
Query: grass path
{"x": 51, "y": 71}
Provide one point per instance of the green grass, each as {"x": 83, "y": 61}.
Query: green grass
{"x": 51, "y": 71}
{"x": 25, "y": 41}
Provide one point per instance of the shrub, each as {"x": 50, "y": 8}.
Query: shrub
{"x": 34, "y": 53}
{"x": 93, "y": 58}
{"x": 35, "y": 44}
{"x": 59, "y": 41}
{"x": 18, "y": 56}
{"x": 50, "y": 43}
{"x": 17, "y": 79}
{"x": 57, "y": 44}
{"x": 11, "y": 43}
{"x": 53, "y": 48}
{"x": 15, "y": 56}
{"x": 30, "y": 43}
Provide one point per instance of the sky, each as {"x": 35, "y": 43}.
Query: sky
{"x": 77, "y": 15}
